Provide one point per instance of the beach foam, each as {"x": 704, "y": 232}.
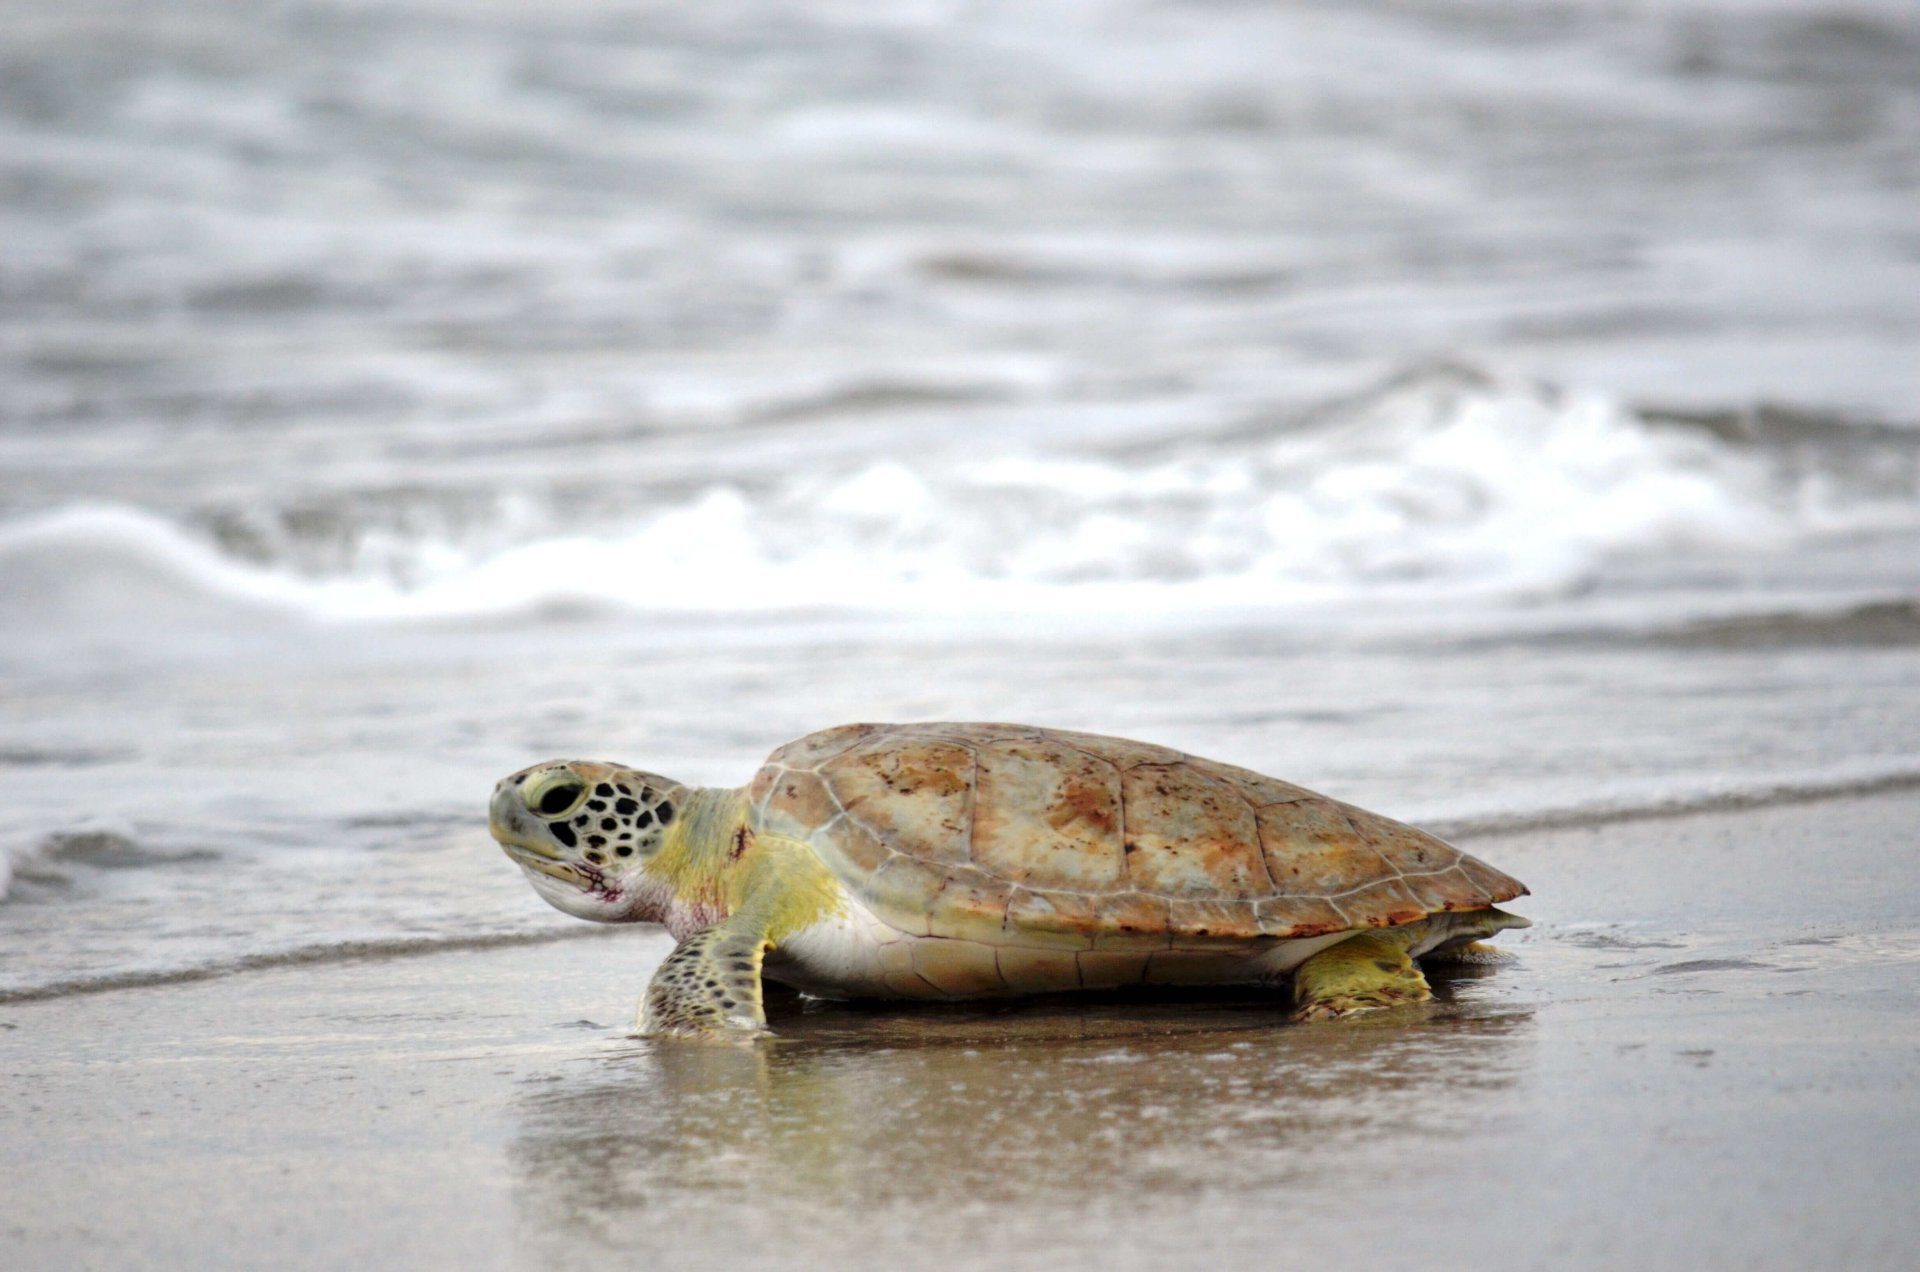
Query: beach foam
{"x": 1438, "y": 483}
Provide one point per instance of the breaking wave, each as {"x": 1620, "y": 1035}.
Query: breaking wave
{"x": 1442, "y": 482}
{"x": 12, "y": 857}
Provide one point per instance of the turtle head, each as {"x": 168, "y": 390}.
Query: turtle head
{"x": 585, "y": 833}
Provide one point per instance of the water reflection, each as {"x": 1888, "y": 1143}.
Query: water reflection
{"x": 1031, "y": 1107}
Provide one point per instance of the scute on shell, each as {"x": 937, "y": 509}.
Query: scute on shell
{"x": 1315, "y": 849}
{"x": 1078, "y": 801}
{"x": 909, "y": 791}
{"x": 1049, "y": 839}
{"x": 797, "y": 802}
{"x": 1191, "y": 833}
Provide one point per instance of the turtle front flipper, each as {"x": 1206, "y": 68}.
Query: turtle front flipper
{"x": 708, "y": 988}
{"x": 1361, "y": 973}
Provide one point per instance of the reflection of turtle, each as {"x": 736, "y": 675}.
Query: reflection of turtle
{"x": 944, "y": 861}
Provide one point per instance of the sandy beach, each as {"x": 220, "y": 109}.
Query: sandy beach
{"x": 1500, "y": 417}
{"x": 1704, "y": 1055}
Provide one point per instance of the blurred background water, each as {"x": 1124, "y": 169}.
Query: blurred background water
{"x": 1479, "y": 410}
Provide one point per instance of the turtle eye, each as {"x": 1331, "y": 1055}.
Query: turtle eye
{"x": 554, "y": 793}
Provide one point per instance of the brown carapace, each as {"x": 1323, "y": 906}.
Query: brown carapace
{"x": 966, "y": 830}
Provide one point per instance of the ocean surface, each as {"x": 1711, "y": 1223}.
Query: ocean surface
{"x": 1489, "y": 413}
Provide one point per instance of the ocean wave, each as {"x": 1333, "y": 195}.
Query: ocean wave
{"x": 1881, "y": 623}
{"x": 1847, "y": 782}
{"x": 343, "y": 951}
{"x": 1440, "y": 483}
{"x": 14, "y": 853}
{"x": 95, "y": 843}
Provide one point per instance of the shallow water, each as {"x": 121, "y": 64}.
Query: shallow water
{"x": 277, "y": 802}
{"x": 1386, "y": 399}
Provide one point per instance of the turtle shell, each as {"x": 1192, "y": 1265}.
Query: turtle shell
{"x": 1008, "y": 834}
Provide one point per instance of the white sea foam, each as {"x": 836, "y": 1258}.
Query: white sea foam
{"x": 1443, "y": 484}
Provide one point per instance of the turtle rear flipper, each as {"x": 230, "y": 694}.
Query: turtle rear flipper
{"x": 1362, "y": 973}
{"x": 708, "y": 988}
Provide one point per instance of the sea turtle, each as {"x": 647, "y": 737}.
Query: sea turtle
{"x": 944, "y": 861}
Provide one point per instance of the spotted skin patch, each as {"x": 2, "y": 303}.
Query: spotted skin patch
{"x": 610, "y": 814}
{"x": 708, "y": 987}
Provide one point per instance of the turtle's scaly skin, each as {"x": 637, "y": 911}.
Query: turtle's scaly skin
{"x": 980, "y": 830}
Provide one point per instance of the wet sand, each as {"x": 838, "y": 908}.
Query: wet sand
{"x": 1706, "y": 1054}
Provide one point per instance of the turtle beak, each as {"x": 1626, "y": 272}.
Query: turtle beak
{"x": 552, "y": 868}
{"x": 523, "y": 837}
{"x": 507, "y": 817}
